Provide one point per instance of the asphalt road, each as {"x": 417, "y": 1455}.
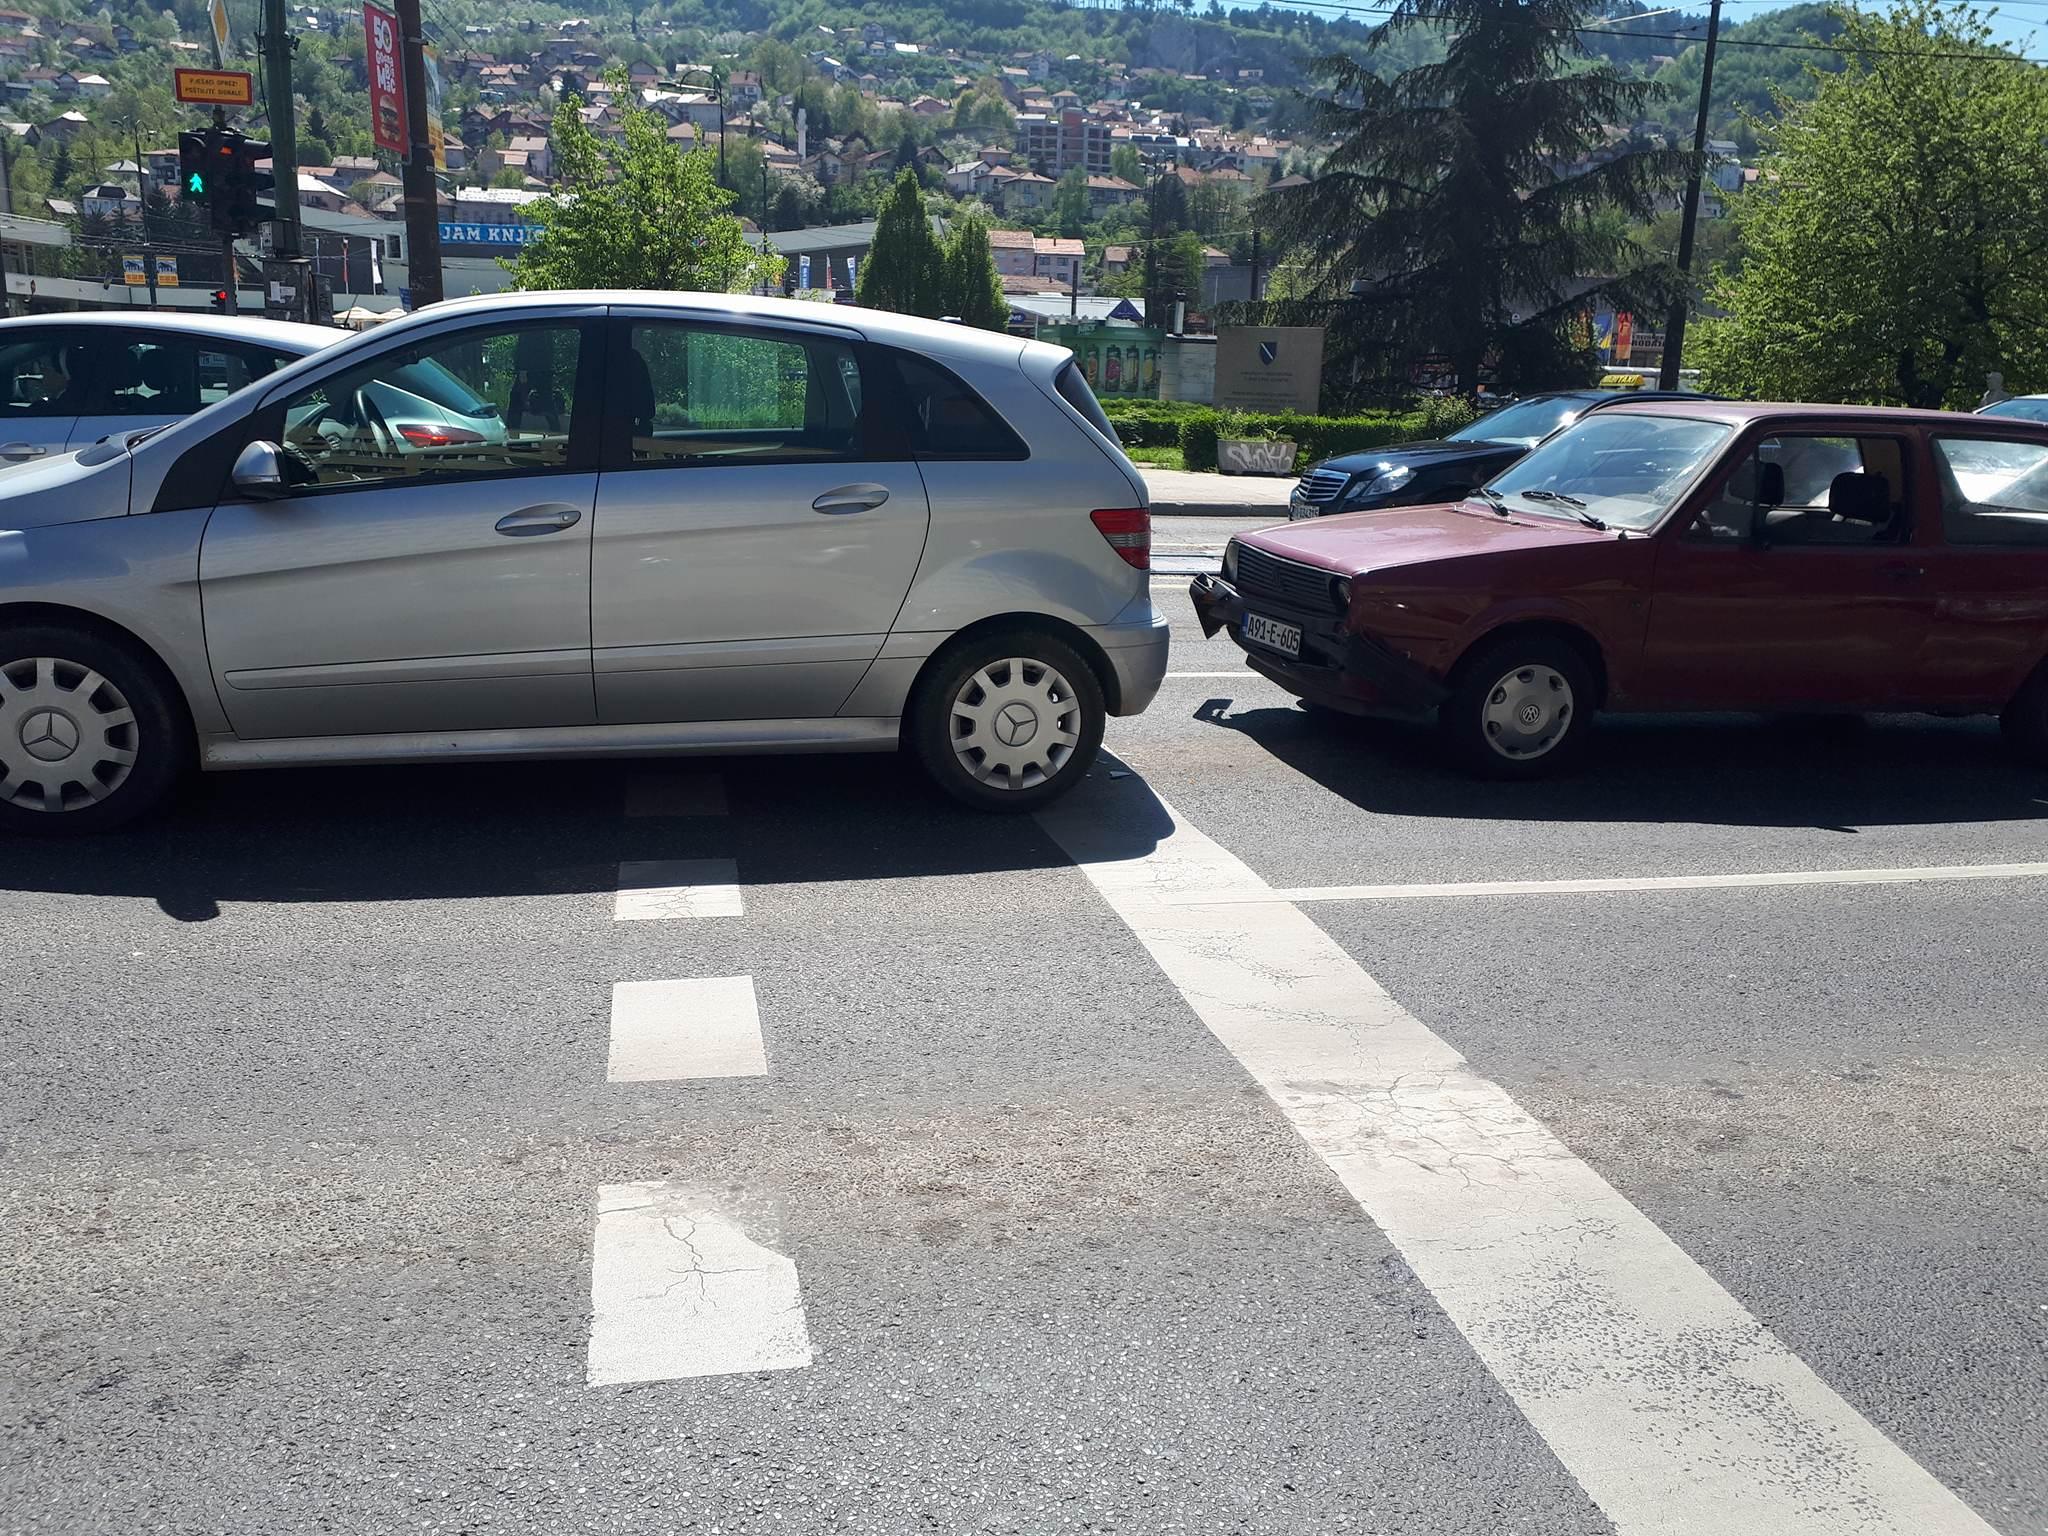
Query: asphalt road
{"x": 306, "y": 1108}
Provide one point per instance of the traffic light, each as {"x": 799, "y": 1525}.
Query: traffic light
{"x": 217, "y": 172}
{"x": 220, "y": 301}
{"x": 788, "y": 279}
{"x": 195, "y": 169}
{"x": 242, "y": 211}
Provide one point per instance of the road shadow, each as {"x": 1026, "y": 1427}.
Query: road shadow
{"x": 1837, "y": 773}
{"x": 423, "y": 833}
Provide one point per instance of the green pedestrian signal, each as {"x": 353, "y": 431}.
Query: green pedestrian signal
{"x": 195, "y": 183}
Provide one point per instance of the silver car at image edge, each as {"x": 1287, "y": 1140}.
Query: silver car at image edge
{"x": 585, "y": 524}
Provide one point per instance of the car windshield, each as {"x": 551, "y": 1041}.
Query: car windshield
{"x": 2025, "y": 407}
{"x": 1526, "y": 422}
{"x": 1623, "y": 469}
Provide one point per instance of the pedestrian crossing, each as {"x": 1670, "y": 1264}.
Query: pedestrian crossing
{"x": 1656, "y": 1390}
{"x": 687, "y": 1279}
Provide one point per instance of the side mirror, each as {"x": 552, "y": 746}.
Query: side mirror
{"x": 263, "y": 472}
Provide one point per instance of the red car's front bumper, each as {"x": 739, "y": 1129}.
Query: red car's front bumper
{"x": 1337, "y": 668}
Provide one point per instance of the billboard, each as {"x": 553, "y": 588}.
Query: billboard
{"x": 387, "y": 79}
{"x": 1120, "y": 362}
{"x": 1270, "y": 368}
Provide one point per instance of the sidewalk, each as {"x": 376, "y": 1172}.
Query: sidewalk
{"x": 1181, "y": 493}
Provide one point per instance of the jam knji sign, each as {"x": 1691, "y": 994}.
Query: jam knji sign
{"x": 387, "y": 83}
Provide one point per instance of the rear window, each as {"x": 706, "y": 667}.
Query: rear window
{"x": 944, "y": 419}
{"x": 1073, "y": 387}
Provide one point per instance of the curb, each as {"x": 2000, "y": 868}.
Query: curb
{"x": 1275, "y": 510}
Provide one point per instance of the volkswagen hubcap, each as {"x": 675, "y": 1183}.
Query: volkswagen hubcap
{"x": 1527, "y": 712}
{"x": 68, "y": 738}
{"x": 1015, "y": 723}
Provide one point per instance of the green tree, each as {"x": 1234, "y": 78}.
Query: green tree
{"x": 638, "y": 215}
{"x": 905, "y": 268}
{"x": 982, "y": 113}
{"x": 1172, "y": 270}
{"x": 1070, "y": 204}
{"x": 1898, "y": 238}
{"x": 974, "y": 289}
{"x": 1124, "y": 162}
{"x": 1463, "y": 198}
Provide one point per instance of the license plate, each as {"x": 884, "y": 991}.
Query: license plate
{"x": 1271, "y": 633}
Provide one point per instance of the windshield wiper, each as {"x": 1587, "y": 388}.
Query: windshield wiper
{"x": 1571, "y": 503}
{"x": 1493, "y": 499}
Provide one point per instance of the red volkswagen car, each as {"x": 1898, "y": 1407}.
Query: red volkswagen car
{"x": 1674, "y": 555}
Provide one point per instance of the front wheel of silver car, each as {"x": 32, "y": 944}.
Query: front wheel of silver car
{"x": 1007, "y": 721}
{"x": 89, "y": 738}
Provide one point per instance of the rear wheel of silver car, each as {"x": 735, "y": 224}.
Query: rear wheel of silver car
{"x": 1520, "y": 708}
{"x": 1007, "y": 721}
{"x": 89, "y": 738}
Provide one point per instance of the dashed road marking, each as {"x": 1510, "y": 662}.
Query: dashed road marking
{"x": 1904, "y": 876}
{"x": 1212, "y": 674}
{"x": 669, "y": 1031}
{"x": 1678, "y": 1412}
{"x": 687, "y": 1283}
{"x": 653, "y": 889}
{"x": 682, "y": 793}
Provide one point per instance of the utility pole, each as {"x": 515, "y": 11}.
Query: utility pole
{"x": 277, "y": 44}
{"x": 1688, "y": 221}
{"x": 1255, "y": 264}
{"x": 142, "y": 211}
{"x": 422, "y": 200}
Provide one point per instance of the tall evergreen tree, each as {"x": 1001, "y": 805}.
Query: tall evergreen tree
{"x": 1477, "y": 206}
{"x": 974, "y": 289}
{"x": 905, "y": 268}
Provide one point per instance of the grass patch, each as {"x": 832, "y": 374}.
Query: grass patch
{"x": 1158, "y": 458}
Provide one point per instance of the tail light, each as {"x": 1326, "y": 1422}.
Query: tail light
{"x": 1129, "y": 532}
{"x": 435, "y": 435}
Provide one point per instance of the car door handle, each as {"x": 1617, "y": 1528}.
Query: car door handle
{"x": 851, "y": 498}
{"x": 1901, "y": 572}
{"x": 528, "y": 521}
{"x": 21, "y": 451}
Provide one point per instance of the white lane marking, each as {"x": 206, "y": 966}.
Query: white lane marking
{"x": 1676, "y": 1410}
{"x": 680, "y": 793}
{"x": 666, "y": 1031}
{"x": 1212, "y": 674}
{"x": 1905, "y": 876}
{"x": 683, "y": 1284}
{"x": 651, "y": 889}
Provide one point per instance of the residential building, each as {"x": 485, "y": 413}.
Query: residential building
{"x": 1057, "y": 142}
{"x": 1105, "y": 192}
{"x": 1057, "y": 259}
{"x": 110, "y": 200}
{"x": 1016, "y": 252}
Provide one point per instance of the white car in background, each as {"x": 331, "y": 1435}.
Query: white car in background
{"x": 68, "y": 380}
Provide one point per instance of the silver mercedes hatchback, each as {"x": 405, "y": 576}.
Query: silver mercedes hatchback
{"x": 609, "y": 523}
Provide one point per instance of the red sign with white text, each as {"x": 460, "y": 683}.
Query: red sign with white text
{"x": 1624, "y": 336}
{"x": 387, "y": 79}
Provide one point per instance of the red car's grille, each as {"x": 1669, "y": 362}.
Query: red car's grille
{"x": 1260, "y": 575}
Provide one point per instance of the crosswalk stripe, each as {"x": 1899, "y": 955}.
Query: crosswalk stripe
{"x": 680, "y": 792}
{"x": 1676, "y": 1410}
{"x": 653, "y": 889}
{"x": 668, "y": 1031}
{"x": 683, "y": 1284}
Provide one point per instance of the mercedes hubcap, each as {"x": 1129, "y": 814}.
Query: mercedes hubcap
{"x": 67, "y": 736}
{"x": 1015, "y": 723}
{"x": 1527, "y": 712}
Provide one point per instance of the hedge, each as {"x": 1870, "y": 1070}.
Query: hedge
{"x": 1196, "y": 428}
{"x": 1318, "y": 437}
